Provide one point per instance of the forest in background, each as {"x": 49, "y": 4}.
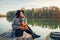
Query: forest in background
{"x": 44, "y": 12}
{"x": 3, "y": 15}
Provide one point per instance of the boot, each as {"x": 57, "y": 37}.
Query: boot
{"x": 35, "y": 36}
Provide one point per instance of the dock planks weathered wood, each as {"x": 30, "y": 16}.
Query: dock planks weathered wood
{"x": 24, "y": 37}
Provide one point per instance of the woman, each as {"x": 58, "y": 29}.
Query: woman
{"x": 20, "y": 20}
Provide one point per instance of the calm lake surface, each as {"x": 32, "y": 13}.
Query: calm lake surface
{"x": 41, "y": 26}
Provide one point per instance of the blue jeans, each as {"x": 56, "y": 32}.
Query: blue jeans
{"x": 19, "y": 32}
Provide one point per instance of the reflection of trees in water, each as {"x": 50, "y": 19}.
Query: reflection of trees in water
{"x": 10, "y": 19}
{"x": 42, "y": 22}
{"x": 50, "y": 23}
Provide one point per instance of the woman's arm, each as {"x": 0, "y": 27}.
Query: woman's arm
{"x": 15, "y": 24}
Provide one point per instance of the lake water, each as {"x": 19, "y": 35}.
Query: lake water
{"x": 41, "y": 26}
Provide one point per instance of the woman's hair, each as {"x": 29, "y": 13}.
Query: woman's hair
{"x": 18, "y": 12}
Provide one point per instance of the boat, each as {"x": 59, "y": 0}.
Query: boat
{"x": 55, "y": 35}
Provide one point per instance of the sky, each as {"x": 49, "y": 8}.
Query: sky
{"x": 10, "y": 5}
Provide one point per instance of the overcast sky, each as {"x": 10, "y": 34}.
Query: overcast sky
{"x": 7, "y": 5}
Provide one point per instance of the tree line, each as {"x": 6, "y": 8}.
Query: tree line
{"x": 45, "y": 12}
{"x": 1, "y": 15}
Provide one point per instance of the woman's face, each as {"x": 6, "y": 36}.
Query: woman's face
{"x": 21, "y": 14}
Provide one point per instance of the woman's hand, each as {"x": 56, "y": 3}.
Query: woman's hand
{"x": 22, "y": 28}
{"x": 22, "y": 16}
{"x": 23, "y": 23}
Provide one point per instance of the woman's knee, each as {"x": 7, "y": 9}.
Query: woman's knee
{"x": 18, "y": 33}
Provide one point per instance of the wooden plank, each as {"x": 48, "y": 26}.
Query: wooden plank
{"x": 24, "y": 37}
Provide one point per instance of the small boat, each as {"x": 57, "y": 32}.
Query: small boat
{"x": 55, "y": 35}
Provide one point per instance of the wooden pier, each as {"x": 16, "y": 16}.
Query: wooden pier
{"x": 24, "y": 37}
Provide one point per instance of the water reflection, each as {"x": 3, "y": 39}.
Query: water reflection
{"x": 41, "y": 26}
{"x": 9, "y": 19}
{"x": 4, "y": 25}
{"x": 51, "y": 23}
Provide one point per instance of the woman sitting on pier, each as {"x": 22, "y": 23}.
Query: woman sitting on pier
{"x": 19, "y": 25}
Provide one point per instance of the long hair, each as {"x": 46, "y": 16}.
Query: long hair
{"x": 18, "y": 12}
